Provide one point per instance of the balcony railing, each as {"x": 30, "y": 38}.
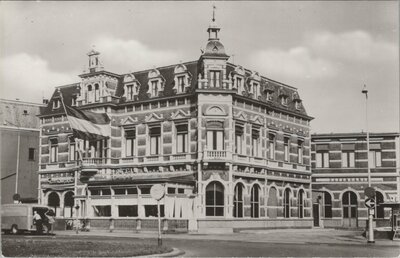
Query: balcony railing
{"x": 216, "y": 155}
{"x": 99, "y": 161}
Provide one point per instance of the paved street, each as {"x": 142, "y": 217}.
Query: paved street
{"x": 285, "y": 242}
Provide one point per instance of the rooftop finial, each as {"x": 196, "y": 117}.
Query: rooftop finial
{"x": 213, "y": 19}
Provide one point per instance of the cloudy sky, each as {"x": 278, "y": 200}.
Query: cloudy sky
{"x": 328, "y": 50}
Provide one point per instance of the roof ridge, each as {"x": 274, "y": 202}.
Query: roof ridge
{"x": 21, "y": 102}
{"x": 161, "y": 67}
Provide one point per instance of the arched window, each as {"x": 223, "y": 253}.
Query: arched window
{"x": 68, "y": 204}
{"x": 379, "y": 209}
{"x": 215, "y": 199}
{"x": 96, "y": 92}
{"x": 53, "y": 201}
{"x": 349, "y": 203}
{"x": 238, "y": 201}
{"x": 255, "y": 201}
{"x": 327, "y": 205}
{"x": 286, "y": 203}
{"x": 272, "y": 203}
{"x": 89, "y": 93}
{"x": 300, "y": 199}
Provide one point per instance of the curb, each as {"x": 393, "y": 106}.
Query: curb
{"x": 175, "y": 252}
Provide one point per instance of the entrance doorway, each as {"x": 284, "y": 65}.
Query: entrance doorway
{"x": 349, "y": 203}
{"x": 316, "y": 214}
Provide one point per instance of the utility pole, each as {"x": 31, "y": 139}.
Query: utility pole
{"x": 370, "y": 215}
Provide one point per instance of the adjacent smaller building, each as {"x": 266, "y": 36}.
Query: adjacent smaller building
{"x": 340, "y": 175}
{"x": 19, "y": 150}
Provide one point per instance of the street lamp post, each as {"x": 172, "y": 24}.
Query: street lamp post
{"x": 370, "y": 215}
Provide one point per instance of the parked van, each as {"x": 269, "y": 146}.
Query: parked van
{"x": 17, "y": 218}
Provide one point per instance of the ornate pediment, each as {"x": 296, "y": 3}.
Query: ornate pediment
{"x": 180, "y": 114}
{"x": 215, "y": 111}
{"x": 257, "y": 120}
{"x": 241, "y": 116}
{"x": 129, "y": 121}
{"x": 153, "y": 117}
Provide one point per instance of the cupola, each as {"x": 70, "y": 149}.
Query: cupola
{"x": 214, "y": 47}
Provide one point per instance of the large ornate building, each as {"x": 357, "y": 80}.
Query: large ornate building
{"x": 231, "y": 147}
{"x": 340, "y": 175}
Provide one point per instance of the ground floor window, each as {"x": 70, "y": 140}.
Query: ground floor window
{"x": 379, "y": 209}
{"x": 255, "y": 201}
{"x": 238, "y": 201}
{"x": 215, "y": 199}
{"x": 102, "y": 210}
{"x": 127, "y": 211}
{"x": 151, "y": 210}
{"x": 327, "y": 205}
{"x": 286, "y": 203}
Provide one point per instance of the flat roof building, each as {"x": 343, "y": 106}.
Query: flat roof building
{"x": 340, "y": 175}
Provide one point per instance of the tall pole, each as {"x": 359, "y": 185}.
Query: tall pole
{"x": 17, "y": 166}
{"x": 370, "y": 216}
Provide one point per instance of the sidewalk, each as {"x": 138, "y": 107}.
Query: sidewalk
{"x": 295, "y": 236}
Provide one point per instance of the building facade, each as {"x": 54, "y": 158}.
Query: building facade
{"x": 340, "y": 175}
{"x": 231, "y": 147}
{"x": 19, "y": 150}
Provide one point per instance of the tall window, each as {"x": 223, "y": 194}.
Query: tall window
{"x": 239, "y": 82}
{"x": 215, "y": 139}
{"x": 31, "y": 154}
{"x": 322, "y": 159}
{"x": 181, "y": 84}
{"x": 349, "y": 203}
{"x": 255, "y": 140}
{"x": 300, "y": 151}
{"x": 300, "y": 201}
{"x": 255, "y": 201}
{"x": 96, "y": 93}
{"x": 375, "y": 158}
{"x": 271, "y": 146}
{"x": 348, "y": 159}
{"x": 238, "y": 139}
{"x": 238, "y": 201}
{"x": 181, "y": 138}
{"x": 215, "y": 79}
{"x": 284, "y": 100}
{"x": 154, "y": 88}
{"x": 215, "y": 199}
{"x": 129, "y": 92}
{"x": 73, "y": 101}
{"x": 286, "y": 203}
{"x": 155, "y": 140}
{"x": 56, "y": 103}
{"x": 130, "y": 137}
{"x": 327, "y": 205}
{"x": 72, "y": 149}
{"x": 255, "y": 90}
{"x": 89, "y": 93}
{"x": 379, "y": 209}
{"x": 286, "y": 148}
{"x": 53, "y": 150}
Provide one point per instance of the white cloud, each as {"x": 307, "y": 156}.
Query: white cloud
{"x": 122, "y": 56}
{"x": 324, "y": 55}
{"x": 29, "y": 77}
{"x": 297, "y": 63}
{"x": 353, "y": 46}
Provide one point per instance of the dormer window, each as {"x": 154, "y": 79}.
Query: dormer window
{"x": 154, "y": 88}
{"x": 297, "y": 104}
{"x": 181, "y": 84}
{"x": 255, "y": 90}
{"x": 73, "y": 101}
{"x": 56, "y": 103}
{"x": 131, "y": 87}
{"x": 284, "y": 100}
{"x": 215, "y": 79}
{"x": 155, "y": 83}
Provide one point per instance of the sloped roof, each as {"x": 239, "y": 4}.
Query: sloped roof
{"x": 167, "y": 73}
